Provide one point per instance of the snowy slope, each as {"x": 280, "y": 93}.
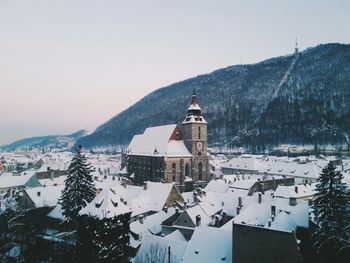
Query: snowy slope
{"x": 303, "y": 98}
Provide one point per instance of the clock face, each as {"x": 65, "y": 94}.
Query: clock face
{"x": 199, "y": 146}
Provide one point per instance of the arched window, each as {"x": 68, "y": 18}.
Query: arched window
{"x": 173, "y": 171}
{"x": 199, "y": 133}
{"x": 187, "y": 170}
{"x": 200, "y": 172}
{"x": 182, "y": 168}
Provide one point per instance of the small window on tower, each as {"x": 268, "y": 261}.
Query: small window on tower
{"x": 199, "y": 133}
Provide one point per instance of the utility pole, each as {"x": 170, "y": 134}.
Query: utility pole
{"x": 169, "y": 254}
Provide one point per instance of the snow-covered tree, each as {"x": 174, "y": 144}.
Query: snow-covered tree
{"x": 331, "y": 213}
{"x": 113, "y": 239}
{"x": 79, "y": 188}
{"x": 103, "y": 240}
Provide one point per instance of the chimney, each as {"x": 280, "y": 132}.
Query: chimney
{"x": 165, "y": 209}
{"x": 217, "y": 220}
{"x": 273, "y": 210}
{"x": 198, "y": 220}
{"x": 141, "y": 219}
{"x": 259, "y": 198}
{"x": 185, "y": 205}
{"x": 52, "y": 174}
{"x": 39, "y": 193}
{"x": 269, "y": 223}
{"x": 238, "y": 209}
{"x": 145, "y": 185}
{"x": 204, "y": 193}
{"x": 124, "y": 182}
{"x": 177, "y": 210}
{"x": 262, "y": 188}
{"x": 296, "y": 189}
{"x": 240, "y": 204}
{"x": 292, "y": 201}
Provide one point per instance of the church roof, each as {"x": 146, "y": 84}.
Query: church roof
{"x": 155, "y": 141}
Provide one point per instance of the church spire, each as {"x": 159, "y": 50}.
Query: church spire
{"x": 194, "y": 111}
{"x": 194, "y": 108}
{"x": 194, "y": 100}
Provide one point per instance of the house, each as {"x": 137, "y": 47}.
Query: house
{"x": 244, "y": 164}
{"x": 12, "y": 184}
{"x": 41, "y": 196}
{"x": 153, "y": 198}
{"x": 268, "y": 231}
{"x": 209, "y": 244}
{"x": 192, "y": 217}
{"x": 107, "y": 204}
{"x": 158, "y": 249}
{"x": 149, "y": 224}
{"x": 172, "y": 153}
{"x": 301, "y": 191}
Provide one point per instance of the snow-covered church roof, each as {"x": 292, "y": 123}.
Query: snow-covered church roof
{"x": 155, "y": 141}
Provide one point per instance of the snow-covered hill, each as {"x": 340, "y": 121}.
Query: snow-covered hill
{"x": 64, "y": 142}
{"x": 302, "y": 98}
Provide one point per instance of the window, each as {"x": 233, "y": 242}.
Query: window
{"x": 199, "y": 133}
{"x": 173, "y": 171}
{"x": 200, "y": 172}
{"x": 187, "y": 170}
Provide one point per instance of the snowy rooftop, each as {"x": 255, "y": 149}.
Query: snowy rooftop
{"x": 56, "y": 213}
{"x": 152, "y": 223}
{"x": 246, "y": 163}
{"x": 155, "y": 141}
{"x": 106, "y": 204}
{"x": 287, "y": 217}
{"x": 297, "y": 191}
{"x": 218, "y": 186}
{"x": 8, "y": 181}
{"x": 151, "y": 199}
{"x": 54, "y": 181}
{"x": 200, "y": 249}
{"x": 293, "y": 169}
{"x": 45, "y": 196}
{"x": 155, "y": 249}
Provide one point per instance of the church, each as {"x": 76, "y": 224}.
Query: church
{"x": 172, "y": 153}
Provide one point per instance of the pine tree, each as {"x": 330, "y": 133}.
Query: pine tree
{"x": 79, "y": 188}
{"x": 103, "y": 240}
{"x": 112, "y": 239}
{"x": 331, "y": 214}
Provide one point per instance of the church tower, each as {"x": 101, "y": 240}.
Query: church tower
{"x": 194, "y": 135}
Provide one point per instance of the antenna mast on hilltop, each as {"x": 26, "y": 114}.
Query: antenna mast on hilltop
{"x": 296, "y": 51}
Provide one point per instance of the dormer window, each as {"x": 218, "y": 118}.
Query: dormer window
{"x": 98, "y": 205}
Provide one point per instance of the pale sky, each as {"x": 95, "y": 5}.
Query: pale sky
{"x": 72, "y": 64}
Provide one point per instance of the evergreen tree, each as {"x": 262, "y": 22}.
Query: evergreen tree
{"x": 79, "y": 188}
{"x": 331, "y": 214}
{"x": 113, "y": 238}
{"x": 103, "y": 240}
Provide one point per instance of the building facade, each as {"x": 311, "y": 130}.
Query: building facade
{"x": 172, "y": 153}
